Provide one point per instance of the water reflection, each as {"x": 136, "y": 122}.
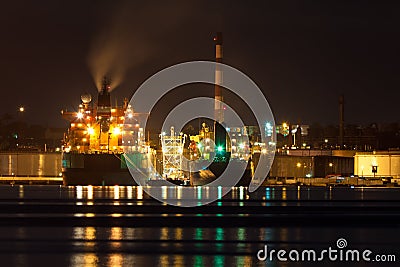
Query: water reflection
{"x": 78, "y": 232}
{"x": 164, "y": 233}
{"x": 185, "y": 245}
{"x": 139, "y": 194}
{"x": 219, "y": 260}
{"x": 116, "y": 192}
{"x": 241, "y": 234}
{"x": 241, "y": 192}
{"x": 87, "y": 194}
{"x": 178, "y": 260}
{"x": 178, "y": 233}
{"x": 219, "y": 192}
{"x": 79, "y": 192}
{"x": 284, "y": 194}
{"x": 219, "y": 237}
{"x": 129, "y": 192}
{"x": 115, "y": 260}
{"x": 298, "y": 193}
{"x": 164, "y": 261}
{"x": 244, "y": 261}
{"x": 87, "y": 254}
{"x": 90, "y": 233}
{"x": 199, "y": 193}
{"x": 85, "y": 260}
{"x": 90, "y": 192}
{"x": 198, "y": 261}
{"x": 21, "y": 191}
{"x": 116, "y": 237}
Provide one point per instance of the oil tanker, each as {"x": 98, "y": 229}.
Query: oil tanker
{"x": 93, "y": 147}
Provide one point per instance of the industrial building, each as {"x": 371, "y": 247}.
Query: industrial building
{"x": 377, "y": 164}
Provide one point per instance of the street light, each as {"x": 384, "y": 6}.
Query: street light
{"x": 20, "y": 134}
{"x": 332, "y": 169}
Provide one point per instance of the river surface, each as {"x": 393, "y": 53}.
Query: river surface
{"x": 123, "y": 226}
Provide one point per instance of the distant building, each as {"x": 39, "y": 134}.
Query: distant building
{"x": 314, "y": 165}
{"x": 379, "y": 164}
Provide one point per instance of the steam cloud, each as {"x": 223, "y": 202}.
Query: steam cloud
{"x": 133, "y": 35}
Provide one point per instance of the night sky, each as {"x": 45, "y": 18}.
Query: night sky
{"x": 302, "y": 54}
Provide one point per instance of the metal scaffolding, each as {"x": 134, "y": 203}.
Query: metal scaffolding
{"x": 172, "y": 147}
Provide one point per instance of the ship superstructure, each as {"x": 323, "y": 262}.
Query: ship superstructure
{"x": 98, "y": 127}
{"x": 98, "y": 136}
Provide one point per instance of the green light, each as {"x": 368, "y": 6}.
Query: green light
{"x": 199, "y": 145}
{"x": 220, "y": 149}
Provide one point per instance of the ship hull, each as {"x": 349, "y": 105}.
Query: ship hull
{"x": 96, "y": 169}
{"x": 215, "y": 170}
{"x": 110, "y": 177}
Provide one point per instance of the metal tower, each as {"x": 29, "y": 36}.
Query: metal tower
{"x": 172, "y": 148}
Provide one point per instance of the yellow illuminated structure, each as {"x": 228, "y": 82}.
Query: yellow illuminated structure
{"x": 172, "y": 147}
{"x": 377, "y": 164}
{"x": 98, "y": 128}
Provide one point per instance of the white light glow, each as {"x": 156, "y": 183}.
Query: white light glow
{"x": 90, "y": 131}
{"x": 117, "y": 131}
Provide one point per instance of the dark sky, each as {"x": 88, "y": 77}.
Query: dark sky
{"x": 302, "y": 54}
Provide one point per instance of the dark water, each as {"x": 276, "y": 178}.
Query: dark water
{"x": 122, "y": 226}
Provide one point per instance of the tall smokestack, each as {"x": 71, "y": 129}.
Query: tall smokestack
{"x": 218, "y": 109}
{"x": 220, "y": 137}
{"x": 104, "y": 99}
{"x": 341, "y": 120}
{"x": 104, "y": 105}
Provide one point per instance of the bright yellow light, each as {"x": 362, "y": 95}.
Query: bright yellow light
{"x": 116, "y": 192}
{"x": 117, "y": 131}
{"x": 298, "y": 164}
{"x": 79, "y": 115}
{"x": 284, "y": 125}
{"x": 21, "y": 109}
{"x": 90, "y": 131}
{"x": 330, "y": 164}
